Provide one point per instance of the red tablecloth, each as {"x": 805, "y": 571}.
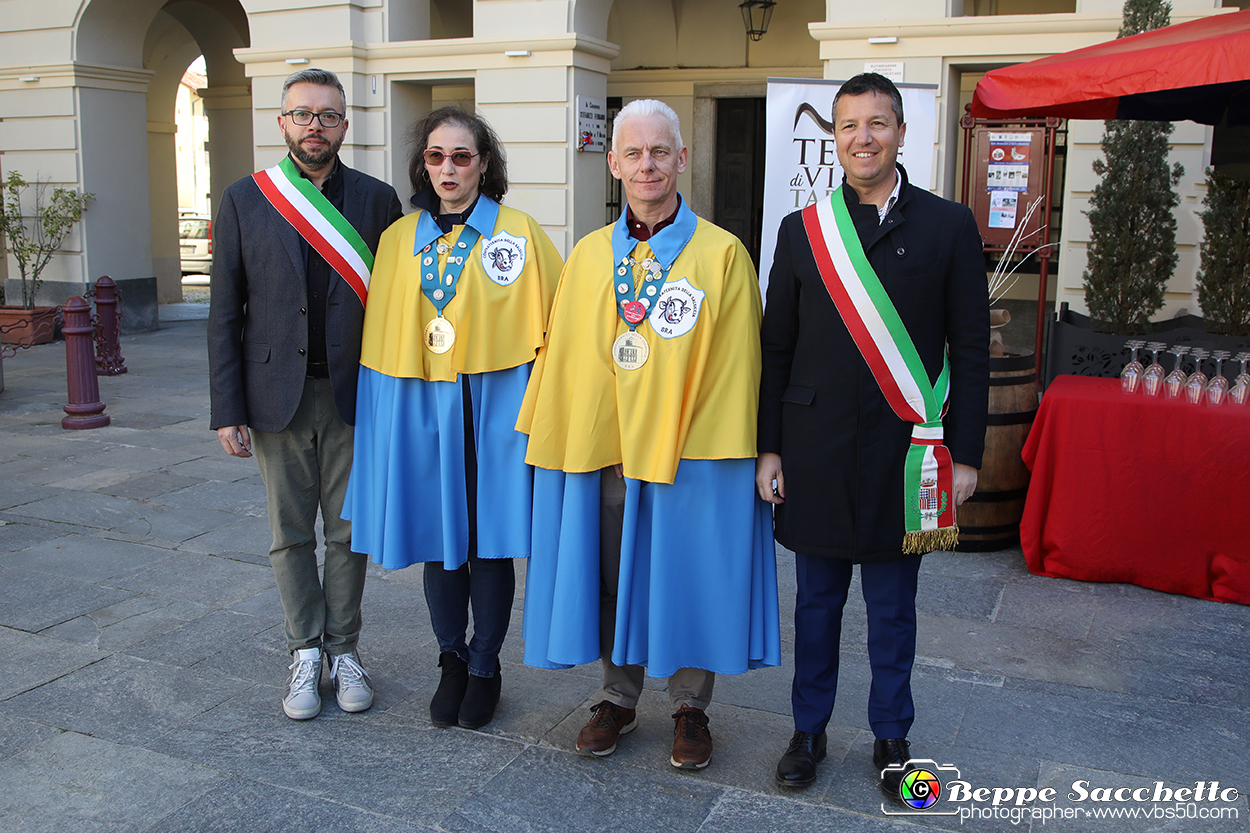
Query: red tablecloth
{"x": 1140, "y": 490}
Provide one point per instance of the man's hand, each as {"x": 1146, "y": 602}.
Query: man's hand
{"x": 768, "y": 470}
{"x": 236, "y": 440}
{"x": 965, "y": 478}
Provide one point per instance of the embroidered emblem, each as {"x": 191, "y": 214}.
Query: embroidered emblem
{"x": 503, "y": 258}
{"x": 677, "y": 309}
{"x": 932, "y": 501}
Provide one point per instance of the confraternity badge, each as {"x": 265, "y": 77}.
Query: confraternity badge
{"x": 634, "y": 312}
{"x": 439, "y": 335}
{"x": 630, "y": 351}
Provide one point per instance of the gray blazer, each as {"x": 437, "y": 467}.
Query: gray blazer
{"x": 257, "y": 324}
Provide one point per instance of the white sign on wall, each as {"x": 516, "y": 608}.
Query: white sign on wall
{"x": 801, "y": 163}
{"x": 592, "y": 124}
{"x": 890, "y": 69}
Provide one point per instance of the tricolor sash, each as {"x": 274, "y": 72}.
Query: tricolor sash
{"x": 883, "y": 341}
{"x": 319, "y": 223}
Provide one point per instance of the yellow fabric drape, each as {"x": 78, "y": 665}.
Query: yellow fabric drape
{"x": 497, "y": 327}
{"x": 696, "y": 396}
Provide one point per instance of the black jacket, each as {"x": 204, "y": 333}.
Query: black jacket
{"x": 257, "y": 329}
{"x": 842, "y": 447}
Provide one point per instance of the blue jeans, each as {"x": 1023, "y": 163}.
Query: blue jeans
{"x": 488, "y": 585}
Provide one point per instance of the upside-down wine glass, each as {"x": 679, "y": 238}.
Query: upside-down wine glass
{"x": 1152, "y": 379}
{"x": 1217, "y": 389}
{"x": 1175, "y": 382}
{"x": 1196, "y": 385}
{"x": 1130, "y": 377}
{"x": 1240, "y": 391}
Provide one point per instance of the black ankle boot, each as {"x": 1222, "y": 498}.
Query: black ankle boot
{"x": 480, "y": 700}
{"x": 445, "y": 707}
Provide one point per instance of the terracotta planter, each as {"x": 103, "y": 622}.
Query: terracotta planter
{"x": 19, "y": 325}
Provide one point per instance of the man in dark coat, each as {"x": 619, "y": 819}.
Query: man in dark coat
{"x": 833, "y": 449}
{"x": 284, "y": 353}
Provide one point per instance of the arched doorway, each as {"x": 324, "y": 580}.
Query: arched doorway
{"x": 134, "y": 53}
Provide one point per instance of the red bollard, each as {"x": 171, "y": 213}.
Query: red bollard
{"x": 108, "y": 360}
{"x": 85, "y": 408}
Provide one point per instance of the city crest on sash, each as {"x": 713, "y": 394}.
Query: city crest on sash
{"x": 503, "y": 258}
{"x": 677, "y": 309}
{"x": 932, "y": 501}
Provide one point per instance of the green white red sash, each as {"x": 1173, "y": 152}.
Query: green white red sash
{"x": 319, "y": 223}
{"x": 883, "y": 341}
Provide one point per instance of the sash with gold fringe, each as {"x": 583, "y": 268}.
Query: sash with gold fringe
{"x": 883, "y": 341}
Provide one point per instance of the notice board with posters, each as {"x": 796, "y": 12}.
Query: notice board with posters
{"x": 1008, "y": 173}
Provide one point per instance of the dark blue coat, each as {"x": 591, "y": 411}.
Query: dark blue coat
{"x": 842, "y": 447}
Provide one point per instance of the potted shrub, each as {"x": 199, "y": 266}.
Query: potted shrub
{"x": 1224, "y": 275}
{"x": 33, "y": 239}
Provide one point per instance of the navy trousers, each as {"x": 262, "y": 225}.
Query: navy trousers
{"x": 890, "y": 595}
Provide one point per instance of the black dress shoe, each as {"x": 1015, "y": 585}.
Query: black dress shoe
{"x": 480, "y": 699}
{"x": 445, "y": 707}
{"x": 797, "y": 768}
{"x": 896, "y": 752}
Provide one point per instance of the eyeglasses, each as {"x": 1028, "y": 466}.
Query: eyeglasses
{"x": 459, "y": 158}
{"x": 329, "y": 119}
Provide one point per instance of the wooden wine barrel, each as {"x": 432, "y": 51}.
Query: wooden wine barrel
{"x": 990, "y": 519}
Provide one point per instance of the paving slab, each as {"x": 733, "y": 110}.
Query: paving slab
{"x": 217, "y": 581}
{"x": 124, "y": 699}
{"x": 80, "y": 783}
{"x": 561, "y": 792}
{"x": 421, "y": 774}
{"x": 36, "y": 600}
{"x": 237, "y": 804}
{"x": 87, "y": 557}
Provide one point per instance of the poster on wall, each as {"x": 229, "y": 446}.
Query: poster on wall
{"x": 801, "y": 164}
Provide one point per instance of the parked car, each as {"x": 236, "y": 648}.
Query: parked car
{"x": 195, "y": 238}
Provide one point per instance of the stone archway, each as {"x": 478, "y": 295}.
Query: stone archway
{"x": 126, "y": 130}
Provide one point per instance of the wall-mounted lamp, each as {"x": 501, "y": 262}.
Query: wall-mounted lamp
{"x": 755, "y": 16}
{"x": 296, "y": 61}
{"x": 518, "y": 53}
{"x": 29, "y": 78}
{"x": 890, "y": 39}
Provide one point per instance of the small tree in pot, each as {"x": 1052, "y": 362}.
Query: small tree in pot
{"x": 1132, "y": 245}
{"x": 34, "y": 238}
{"x": 1224, "y": 276}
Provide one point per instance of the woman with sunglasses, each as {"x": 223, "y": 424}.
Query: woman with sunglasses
{"x": 457, "y": 309}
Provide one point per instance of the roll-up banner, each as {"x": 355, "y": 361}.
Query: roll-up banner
{"x": 801, "y": 163}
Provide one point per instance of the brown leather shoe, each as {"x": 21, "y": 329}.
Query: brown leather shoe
{"x": 608, "y": 722}
{"x": 692, "y": 742}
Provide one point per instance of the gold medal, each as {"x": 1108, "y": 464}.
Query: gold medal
{"x": 439, "y": 335}
{"x": 630, "y": 350}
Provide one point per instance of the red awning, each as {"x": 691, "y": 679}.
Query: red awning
{"x": 1195, "y": 71}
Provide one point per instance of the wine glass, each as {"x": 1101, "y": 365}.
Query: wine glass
{"x": 1240, "y": 391}
{"x": 1218, "y": 386}
{"x": 1130, "y": 377}
{"x": 1196, "y": 384}
{"x": 1152, "y": 379}
{"x": 1175, "y": 382}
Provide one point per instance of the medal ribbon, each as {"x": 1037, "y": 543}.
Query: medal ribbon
{"x": 887, "y": 348}
{"x": 320, "y": 224}
{"x": 666, "y": 244}
{"x": 444, "y": 282}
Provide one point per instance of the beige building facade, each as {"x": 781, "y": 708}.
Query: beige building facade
{"x": 88, "y": 93}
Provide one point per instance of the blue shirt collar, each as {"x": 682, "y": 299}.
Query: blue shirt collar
{"x": 667, "y": 243}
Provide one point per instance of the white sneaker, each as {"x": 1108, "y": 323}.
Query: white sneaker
{"x": 351, "y": 683}
{"x": 302, "y": 700}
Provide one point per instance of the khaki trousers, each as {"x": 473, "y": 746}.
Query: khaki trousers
{"x": 305, "y": 467}
{"x": 622, "y": 684}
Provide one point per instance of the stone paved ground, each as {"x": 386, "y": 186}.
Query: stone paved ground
{"x": 143, "y": 646}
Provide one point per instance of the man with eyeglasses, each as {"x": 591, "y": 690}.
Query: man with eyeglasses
{"x": 293, "y": 248}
